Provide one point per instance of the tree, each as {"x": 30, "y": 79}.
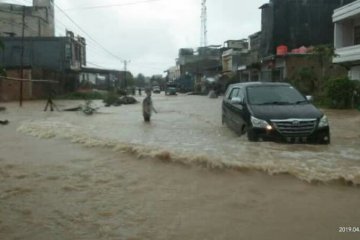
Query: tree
{"x": 157, "y": 80}
{"x": 140, "y": 80}
{"x": 341, "y": 92}
{"x": 324, "y": 54}
{"x": 130, "y": 79}
{"x": 305, "y": 80}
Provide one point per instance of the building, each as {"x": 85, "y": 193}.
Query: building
{"x": 234, "y": 54}
{"x": 195, "y": 66}
{"x": 237, "y": 44}
{"x": 52, "y": 53}
{"x": 247, "y": 67}
{"x": 173, "y": 73}
{"x": 254, "y": 47}
{"x": 34, "y": 21}
{"x": 303, "y": 70}
{"x": 297, "y": 23}
{"x": 103, "y": 79}
{"x": 10, "y": 90}
{"x": 46, "y": 58}
{"x": 231, "y": 60}
{"x": 347, "y": 38}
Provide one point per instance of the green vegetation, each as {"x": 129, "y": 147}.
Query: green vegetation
{"x": 83, "y": 96}
{"x": 305, "y": 80}
{"x": 328, "y": 90}
{"x": 324, "y": 54}
{"x": 342, "y": 93}
{"x": 312, "y": 79}
{"x": 111, "y": 98}
{"x": 140, "y": 80}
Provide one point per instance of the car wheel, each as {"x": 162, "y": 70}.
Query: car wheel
{"x": 252, "y": 136}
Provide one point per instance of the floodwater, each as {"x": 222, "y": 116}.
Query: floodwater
{"x": 188, "y": 129}
{"x": 65, "y": 175}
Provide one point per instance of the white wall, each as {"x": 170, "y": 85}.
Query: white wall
{"x": 354, "y": 73}
{"x": 39, "y": 21}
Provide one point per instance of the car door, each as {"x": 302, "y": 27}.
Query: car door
{"x": 226, "y": 107}
{"x": 237, "y": 110}
{"x": 230, "y": 108}
{"x": 241, "y": 111}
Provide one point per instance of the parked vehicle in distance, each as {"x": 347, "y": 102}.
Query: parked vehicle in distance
{"x": 156, "y": 89}
{"x": 273, "y": 111}
{"x": 171, "y": 90}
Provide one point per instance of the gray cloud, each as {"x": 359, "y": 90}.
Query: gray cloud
{"x": 150, "y": 34}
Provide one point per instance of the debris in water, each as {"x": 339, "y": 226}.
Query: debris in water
{"x": 128, "y": 100}
{"x": 87, "y": 108}
{"x": 113, "y": 100}
{"x": 72, "y": 109}
{"x": 4, "y": 122}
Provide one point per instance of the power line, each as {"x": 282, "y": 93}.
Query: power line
{"x": 102, "y": 47}
{"x": 98, "y": 45}
{"x": 77, "y": 25}
{"x": 94, "y": 64}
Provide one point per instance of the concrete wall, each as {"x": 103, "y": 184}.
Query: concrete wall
{"x": 57, "y": 54}
{"x": 296, "y": 23}
{"x": 10, "y": 89}
{"x": 354, "y": 73}
{"x": 242, "y": 44}
{"x": 38, "y": 19}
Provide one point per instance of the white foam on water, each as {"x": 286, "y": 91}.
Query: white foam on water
{"x": 304, "y": 162}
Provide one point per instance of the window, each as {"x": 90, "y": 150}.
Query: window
{"x": 274, "y": 95}
{"x": 241, "y": 94}
{"x": 357, "y": 35}
{"x": 234, "y": 93}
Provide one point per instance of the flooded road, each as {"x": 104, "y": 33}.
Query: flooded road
{"x": 64, "y": 175}
{"x": 188, "y": 129}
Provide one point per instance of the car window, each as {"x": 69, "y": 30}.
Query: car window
{"x": 234, "y": 93}
{"x": 274, "y": 95}
{"x": 241, "y": 94}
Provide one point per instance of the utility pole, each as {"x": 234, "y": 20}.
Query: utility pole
{"x": 125, "y": 70}
{"x": 203, "y": 32}
{"x": 22, "y": 56}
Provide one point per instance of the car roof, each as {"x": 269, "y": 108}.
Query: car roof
{"x": 254, "y": 84}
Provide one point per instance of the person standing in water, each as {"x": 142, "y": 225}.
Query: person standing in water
{"x": 50, "y": 102}
{"x": 148, "y": 106}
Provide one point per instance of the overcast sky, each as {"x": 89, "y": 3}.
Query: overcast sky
{"x": 149, "y": 33}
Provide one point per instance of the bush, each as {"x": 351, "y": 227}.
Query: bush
{"x": 340, "y": 92}
{"x": 357, "y": 94}
{"x": 83, "y": 96}
{"x": 305, "y": 79}
{"x": 111, "y": 99}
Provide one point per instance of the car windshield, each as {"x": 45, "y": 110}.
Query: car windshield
{"x": 262, "y": 95}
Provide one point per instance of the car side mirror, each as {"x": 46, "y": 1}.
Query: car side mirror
{"x": 236, "y": 100}
{"x": 309, "y": 98}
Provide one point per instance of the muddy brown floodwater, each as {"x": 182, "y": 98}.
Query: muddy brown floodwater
{"x": 64, "y": 175}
